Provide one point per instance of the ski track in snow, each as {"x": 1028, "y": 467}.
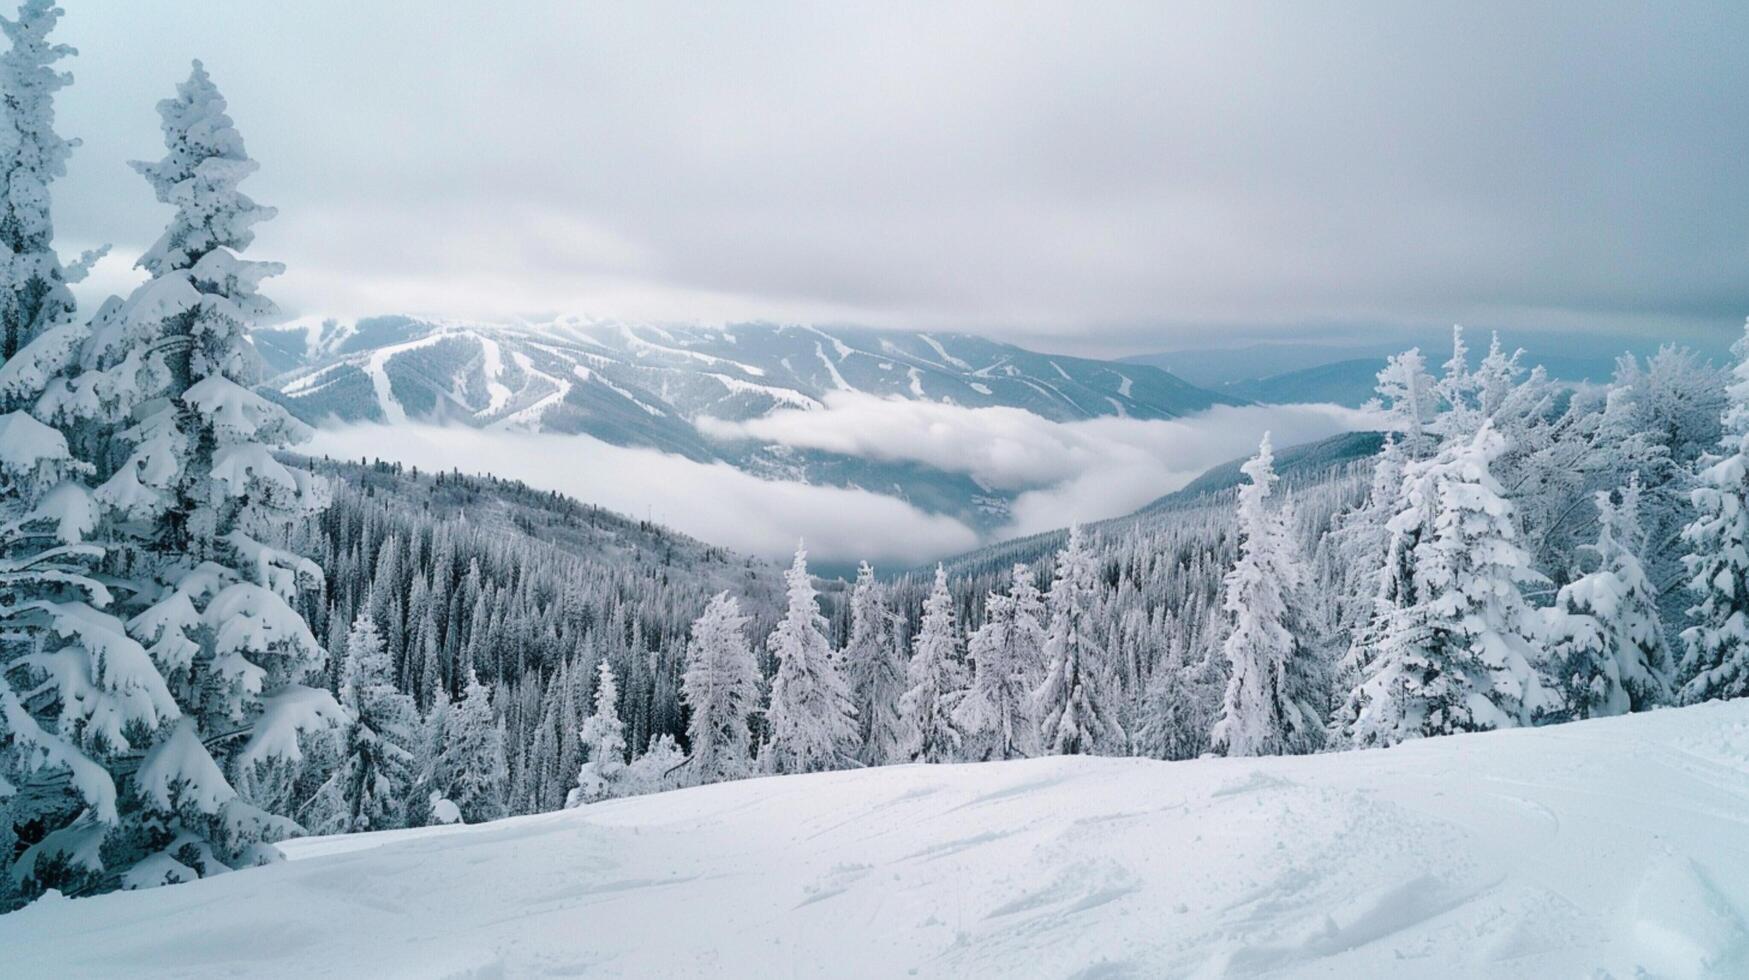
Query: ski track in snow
{"x": 832, "y": 369}
{"x": 1610, "y": 847}
{"x": 497, "y": 394}
{"x": 376, "y": 367}
{"x": 942, "y": 353}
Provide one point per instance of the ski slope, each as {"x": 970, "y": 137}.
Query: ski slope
{"x": 1596, "y": 849}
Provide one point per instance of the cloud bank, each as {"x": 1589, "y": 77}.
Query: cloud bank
{"x": 711, "y": 501}
{"x": 1061, "y": 472}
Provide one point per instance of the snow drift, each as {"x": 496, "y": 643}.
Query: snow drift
{"x": 1612, "y": 845}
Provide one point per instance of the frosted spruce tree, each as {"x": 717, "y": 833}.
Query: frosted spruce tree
{"x": 1266, "y": 710}
{"x": 377, "y": 743}
{"x": 996, "y": 713}
{"x": 811, "y": 718}
{"x": 78, "y": 696}
{"x": 1457, "y": 647}
{"x": 937, "y": 680}
{"x": 1457, "y": 391}
{"x": 35, "y": 297}
{"x": 194, "y": 502}
{"x": 874, "y": 664}
{"x": 1030, "y": 617}
{"x": 604, "y": 739}
{"x": 1360, "y": 540}
{"x": 1715, "y": 660}
{"x": 473, "y": 765}
{"x": 721, "y": 688}
{"x": 1407, "y": 395}
{"x": 1076, "y": 714}
{"x": 1607, "y": 654}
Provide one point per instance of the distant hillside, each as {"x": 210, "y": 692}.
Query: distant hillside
{"x": 1254, "y": 371}
{"x": 1349, "y": 383}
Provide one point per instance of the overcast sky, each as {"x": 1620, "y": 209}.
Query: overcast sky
{"x": 1103, "y": 178}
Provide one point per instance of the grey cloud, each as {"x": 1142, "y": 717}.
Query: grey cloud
{"x": 1093, "y": 176}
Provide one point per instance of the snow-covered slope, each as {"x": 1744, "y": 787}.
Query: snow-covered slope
{"x": 1596, "y": 849}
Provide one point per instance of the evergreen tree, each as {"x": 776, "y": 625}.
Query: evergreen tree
{"x": 1076, "y": 715}
{"x": 875, "y": 667}
{"x": 377, "y": 762}
{"x": 811, "y": 718}
{"x": 1456, "y": 648}
{"x": 1606, "y": 644}
{"x": 996, "y": 713}
{"x": 34, "y": 297}
{"x": 1407, "y": 394}
{"x": 474, "y": 768}
{"x": 601, "y": 777}
{"x": 721, "y": 687}
{"x": 431, "y": 780}
{"x": 194, "y": 500}
{"x": 77, "y": 694}
{"x": 1715, "y": 661}
{"x": 1266, "y": 710}
{"x": 937, "y": 679}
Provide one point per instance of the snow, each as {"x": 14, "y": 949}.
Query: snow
{"x": 1607, "y": 845}
{"x": 942, "y": 353}
{"x": 832, "y": 369}
{"x": 786, "y": 396}
{"x": 492, "y": 367}
{"x": 26, "y": 444}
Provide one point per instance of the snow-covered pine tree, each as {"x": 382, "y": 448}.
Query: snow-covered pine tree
{"x": 1456, "y": 646}
{"x": 1715, "y": 660}
{"x": 430, "y": 780}
{"x": 1607, "y": 653}
{"x": 937, "y": 678}
{"x": 194, "y": 500}
{"x": 811, "y": 718}
{"x": 721, "y": 687}
{"x": 77, "y": 694}
{"x": 1029, "y": 634}
{"x": 1361, "y": 541}
{"x": 604, "y": 739}
{"x": 34, "y": 297}
{"x": 1406, "y": 394}
{"x": 473, "y": 765}
{"x": 996, "y": 713}
{"x": 657, "y": 769}
{"x": 1457, "y": 391}
{"x": 1076, "y": 715}
{"x": 874, "y": 665}
{"x": 1266, "y": 710}
{"x": 377, "y": 760}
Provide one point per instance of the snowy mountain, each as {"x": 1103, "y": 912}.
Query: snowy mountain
{"x": 587, "y": 376}
{"x": 1595, "y": 849}
{"x": 648, "y": 386}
